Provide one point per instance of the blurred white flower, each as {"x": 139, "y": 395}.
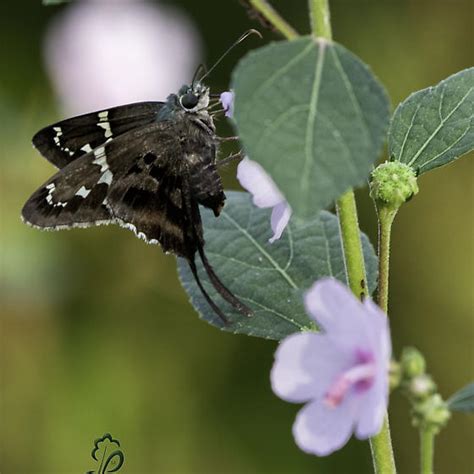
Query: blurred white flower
{"x": 102, "y": 53}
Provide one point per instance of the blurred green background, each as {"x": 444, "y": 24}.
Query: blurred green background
{"x": 98, "y": 336}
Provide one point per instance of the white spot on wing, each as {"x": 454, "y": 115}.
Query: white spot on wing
{"x": 106, "y": 177}
{"x": 51, "y": 187}
{"x": 106, "y": 127}
{"x": 83, "y": 192}
{"x": 49, "y": 198}
{"x": 100, "y": 158}
{"x": 87, "y": 148}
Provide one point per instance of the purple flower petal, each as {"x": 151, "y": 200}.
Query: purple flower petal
{"x": 301, "y": 370}
{"x": 281, "y": 214}
{"x": 342, "y": 372}
{"x": 321, "y": 430}
{"x": 265, "y": 193}
{"x": 341, "y": 315}
{"x": 227, "y": 101}
{"x": 372, "y": 408}
{"x": 379, "y": 325}
{"x": 257, "y": 182}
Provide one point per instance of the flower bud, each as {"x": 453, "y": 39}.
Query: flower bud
{"x": 432, "y": 413}
{"x": 421, "y": 386}
{"x": 393, "y": 183}
{"x": 412, "y": 362}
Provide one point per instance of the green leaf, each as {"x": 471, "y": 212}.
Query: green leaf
{"x": 434, "y": 126}
{"x": 313, "y": 115}
{"x": 270, "y": 278}
{"x": 463, "y": 400}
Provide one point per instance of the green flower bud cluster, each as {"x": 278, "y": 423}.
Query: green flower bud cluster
{"x": 392, "y": 183}
{"x": 430, "y": 411}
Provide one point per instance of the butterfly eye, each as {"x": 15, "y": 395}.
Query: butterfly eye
{"x": 189, "y": 100}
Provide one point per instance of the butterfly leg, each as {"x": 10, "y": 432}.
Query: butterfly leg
{"x": 229, "y": 159}
{"x": 229, "y": 139}
{"x": 192, "y": 210}
{"x": 216, "y": 309}
{"x": 221, "y": 288}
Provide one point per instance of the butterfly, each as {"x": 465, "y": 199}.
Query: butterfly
{"x": 145, "y": 166}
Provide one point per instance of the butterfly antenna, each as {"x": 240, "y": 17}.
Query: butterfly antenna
{"x": 201, "y": 68}
{"x": 216, "y": 309}
{"x": 230, "y": 48}
{"x": 221, "y": 288}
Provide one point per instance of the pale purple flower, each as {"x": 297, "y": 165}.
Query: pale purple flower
{"x": 265, "y": 193}
{"x": 227, "y": 101}
{"x": 102, "y": 53}
{"x": 341, "y": 373}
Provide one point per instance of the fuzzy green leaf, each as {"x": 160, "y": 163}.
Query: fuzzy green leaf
{"x": 313, "y": 115}
{"x": 463, "y": 400}
{"x": 270, "y": 278}
{"x": 434, "y": 126}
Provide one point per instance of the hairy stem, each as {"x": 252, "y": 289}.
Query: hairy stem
{"x": 386, "y": 217}
{"x": 352, "y": 245}
{"x": 320, "y": 18}
{"x": 381, "y": 445}
{"x": 273, "y": 17}
{"x": 427, "y": 436}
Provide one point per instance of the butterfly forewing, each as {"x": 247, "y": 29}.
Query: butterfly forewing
{"x": 65, "y": 141}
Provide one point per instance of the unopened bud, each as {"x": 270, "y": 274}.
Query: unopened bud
{"x": 392, "y": 183}
{"x": 432, "y": 413}
{"x": 412, "y": 362}
{"x": 421, "y": 386}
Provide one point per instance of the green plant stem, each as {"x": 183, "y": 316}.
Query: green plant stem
{"x": 427, "y": 436}
{"x": 386, "y": 217}
{"x": 381, "y": 446}
{"x": 352, "y": 245}
{"x": 320, "y": 18}
{"x": 280, "y": 24}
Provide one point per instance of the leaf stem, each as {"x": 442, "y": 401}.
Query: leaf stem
{"x": 381, "y": 446}
{"x": 320, "y": 18}
{"x": 427, "y": 436}
{"x": 269, "y": 13}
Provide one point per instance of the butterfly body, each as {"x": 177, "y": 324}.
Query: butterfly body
{"x": 145, "y": 166}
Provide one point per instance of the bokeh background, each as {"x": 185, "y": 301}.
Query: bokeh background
{"x": 98, "y": 336}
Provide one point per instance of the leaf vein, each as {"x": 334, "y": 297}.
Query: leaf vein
{"x": 313, "y": 109}
{"x": 261, "y": 250}
{"x": 439, "y": 127}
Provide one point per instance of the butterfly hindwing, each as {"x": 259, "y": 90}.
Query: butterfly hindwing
{"x": 74, "y": 197}
{"x": 65, "y": 141}
{"x": 151, "y": 190}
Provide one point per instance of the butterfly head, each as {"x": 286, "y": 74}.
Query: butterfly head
{"x": 194, "y": 98}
